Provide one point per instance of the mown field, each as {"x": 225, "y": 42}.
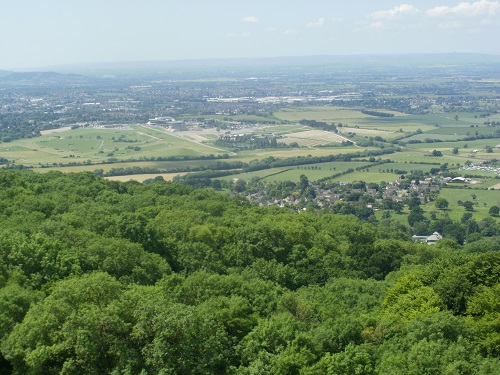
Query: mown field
{"x": 312, "y": 171}
{"x": 144, "y": 177}
{"x": 99, "y": 145}
{"x": 327, "y": 114}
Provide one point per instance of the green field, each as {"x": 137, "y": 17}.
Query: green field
{"x": 384, "y": 172}
{"x": 402, "y": 166}
{"x": 312, "y": 171}
{"x": 99, "y": 145}
{"x": 328, "y": 114}
{"x": 139, "y": 145}
{"x": 484, "y": 200}
{"x": 249, "y": 155}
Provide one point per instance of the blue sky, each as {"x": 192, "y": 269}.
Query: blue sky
{"x": 37, "y": 33}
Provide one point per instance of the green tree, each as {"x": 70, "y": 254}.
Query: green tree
{"x": 304, "y": 182}
{"x": 240, "y": 186}
{"x": 483, "y": 310}
{"x": 494, "y": 210}
{"x": 409, "y": 299}
{"x": 77, "y": 329}
{"x": 441, "y": 203}
{"x": 468, "y": 205}
{"x": 436, "y": 343}
{"x": 415, "y": 217}
{"x": 414, "y": 204}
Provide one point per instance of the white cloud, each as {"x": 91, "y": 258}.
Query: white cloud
{"x": 478, "y": 8}
{"x": 290, "y": 32}
{"x": 438, "y": 11}
{"x": 250, "y": 19}
{"x": 231, "y": 35}
{"x": 377, "y": 25}
{"x": 401, "y": 10}
{"x": 317, "y": 24}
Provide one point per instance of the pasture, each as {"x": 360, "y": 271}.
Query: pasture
{"x": 312, "y": 171}
{"x": 249, "y": 155}
{"x": 482, "y": 199}
{"x": 328, "y": 114}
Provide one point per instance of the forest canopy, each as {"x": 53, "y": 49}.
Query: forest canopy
{"x": 101, "y": 277}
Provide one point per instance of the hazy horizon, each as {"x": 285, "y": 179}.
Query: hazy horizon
{"x": 54, "y": 33}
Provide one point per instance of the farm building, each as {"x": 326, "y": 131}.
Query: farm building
{"x": 429, "y": 240}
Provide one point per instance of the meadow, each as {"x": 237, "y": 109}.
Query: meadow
{"x": 482, "y": 199}
{"x": 312, "y": 171}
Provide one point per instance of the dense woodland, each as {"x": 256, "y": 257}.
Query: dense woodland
{"x": 100, "y": 277}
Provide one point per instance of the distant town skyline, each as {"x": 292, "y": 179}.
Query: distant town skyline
{"x": 35, "y": 34}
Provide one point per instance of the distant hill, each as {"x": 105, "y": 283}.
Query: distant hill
{"x": 362, "y": 60}
{"x": 37, "y": 77}
{"x": 444, "y": 63}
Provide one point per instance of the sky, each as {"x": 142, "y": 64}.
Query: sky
{"x": 40, "y": 33}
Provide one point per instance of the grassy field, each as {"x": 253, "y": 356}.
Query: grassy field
{"x": 91, "y": 147}
{"x": 282, "y": 129}
{"x": 390, "y": 127}
{"x": 484, "y": 199}
{"x": 312, "y": 171}
{"x": 98, "y": 145}
{"x": 402, "y": 167}
{"x": 312, "y": 138}
{"x": 368, "y": 177}
{"x": 420, "y": 153}
{"x": 327, "y": 114}
{"x": 162, "y": 165}
{"x": 249, "y": 155}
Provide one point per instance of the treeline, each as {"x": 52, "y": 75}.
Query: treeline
{"x": 251, "y": 141}
{"x": 495, "y": 134}
{"x": 351, "y": 170}
{"x": 142, "y": 159}
{"x": 320, "y": 125}
{"x": 17, "y": 125}
{"x": 376, "y": 113}
{"x": 202, "y": 179}
{"x": 124, "y": 171}
{"x": 272, "y": 162}
{"x": 103, "y": 277}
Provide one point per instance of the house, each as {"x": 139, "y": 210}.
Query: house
{"x": 429, "y": 240}
{"x": 460, "y": 179}
{"x": 433, "y": 238}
